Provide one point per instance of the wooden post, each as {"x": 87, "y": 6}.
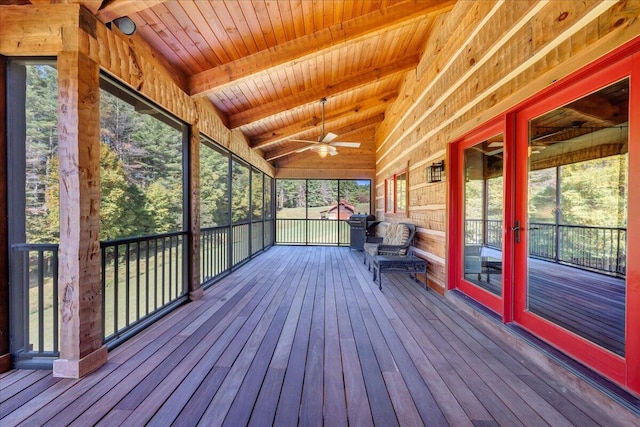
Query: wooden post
{"x": 5, "y": 358}
{"x": 195, "y": 288}
{"x": 79, "y": 279}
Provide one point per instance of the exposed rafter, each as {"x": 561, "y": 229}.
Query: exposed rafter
{"x": 311, "y": 45}
{"x": 344, "y": 116}
{"x": 354, "y": 81}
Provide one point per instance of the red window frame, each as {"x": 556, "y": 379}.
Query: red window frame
{"x": 391, "y": 192}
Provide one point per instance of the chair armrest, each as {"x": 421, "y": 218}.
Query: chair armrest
{"x": 374, "y": 239}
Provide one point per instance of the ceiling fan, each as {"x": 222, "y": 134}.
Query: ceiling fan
{"x": 325, "y": 143}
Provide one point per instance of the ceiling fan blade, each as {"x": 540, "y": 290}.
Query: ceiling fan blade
{"x": 332, "y": 151}
{"x": 304, "y": 149}
{"x": 329, "y": 137}
{"x": 345, "y": 144}
{"x": 308, "y": 141}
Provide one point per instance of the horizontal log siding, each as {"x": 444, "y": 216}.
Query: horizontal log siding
{"x": 483, "y": 59}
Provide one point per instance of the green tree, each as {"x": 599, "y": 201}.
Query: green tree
{"x": 41, "y": 147}
{"x": 123, "y": 210}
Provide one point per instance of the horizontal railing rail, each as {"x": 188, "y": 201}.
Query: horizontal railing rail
{"x": 141, "y": 278}
{"x": 38, "y": 292}
{"x": 600, "y": 249}
{"x": 312, "y": 232}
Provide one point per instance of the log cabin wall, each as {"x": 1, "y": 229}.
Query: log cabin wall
{"x": 483, "y": 59}
{"x": 5, "y": 364}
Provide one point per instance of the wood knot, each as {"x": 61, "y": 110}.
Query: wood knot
{"x": 472, "y": 62}
{"x": 619, "y": 22}
{"x": 563, "y": 16}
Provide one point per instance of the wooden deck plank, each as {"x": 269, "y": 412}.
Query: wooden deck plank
{"x": 17, "y": 386}
{"x": 267, "y": 401}
{"x": 358, "y": 409}
{"x": 379, "y": 401}
{"x": 235, "y": 299}
{"x": 433, "y": 361}
{"x": 140, "y": 379}
{"x": 335, "y": 405}
{"x": 241, "y": 356}
{"x": 9, "y": 377}
{"x": 312, "y": 390}
{"x": 26, "y": 394}
{"x": 301, "y": 335}
{"x": 242, "y": 406}
{"x": 288, "y": 408}
{"x": 402, "y": 400}
{"x": 423, "y": 397}
{"x": 528, "y": 405}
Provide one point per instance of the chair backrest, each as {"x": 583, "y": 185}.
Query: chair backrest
{"x": 400, "y": 234}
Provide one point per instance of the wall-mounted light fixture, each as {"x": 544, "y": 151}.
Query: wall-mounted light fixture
{"x": 124, "y": 24}
{"x": 435, "y": 172}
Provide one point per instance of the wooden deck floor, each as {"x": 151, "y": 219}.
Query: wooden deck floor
{"x": 301, "y": 335}
{"x": 587, "y": 303}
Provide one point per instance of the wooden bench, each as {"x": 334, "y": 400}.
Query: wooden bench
{"x": 398, "y": 264}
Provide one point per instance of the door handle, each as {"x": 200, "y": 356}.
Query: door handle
{"x": 517, "y": 229}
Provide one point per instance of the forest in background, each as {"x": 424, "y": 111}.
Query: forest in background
{"x": 141, "y": 177}
{"x": 141, "y": 169}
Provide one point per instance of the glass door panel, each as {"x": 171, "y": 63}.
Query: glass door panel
{"x": 577, "y": 216}
{"x": 483, "y": 211}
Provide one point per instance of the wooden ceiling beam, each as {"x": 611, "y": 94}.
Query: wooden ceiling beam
{"x": 354, "y": 81}
{"x": 312, "y": 44}
{"x": 112, "y": 9}
{"x": 306, "y": 128}
{"x": 92, "y": 5}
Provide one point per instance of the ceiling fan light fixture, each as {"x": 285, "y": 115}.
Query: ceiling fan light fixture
{"x": 322, "y": 150}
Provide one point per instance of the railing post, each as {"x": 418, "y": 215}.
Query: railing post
{"x": 5, "y": 358}
{"x": 192, "y": 249}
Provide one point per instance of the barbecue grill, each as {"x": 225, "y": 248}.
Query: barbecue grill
{"x": 362, "y": 226}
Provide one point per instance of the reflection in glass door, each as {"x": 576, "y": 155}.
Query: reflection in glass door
{"x": 483, "y": 210}
{"x": 577, "y": 216}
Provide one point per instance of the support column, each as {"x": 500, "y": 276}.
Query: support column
{"x": 5, "y": 358}
{"x": 79, "y": 279}
{"x": 195, "y": 287}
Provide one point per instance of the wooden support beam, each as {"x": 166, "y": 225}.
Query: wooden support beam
{"x": 112, "y": 9}
{"x": 353, "y": 81}
{"x": 5, "y": 358}
{"x": 195, "y": 287}
{"x": 38, "y": 30}
{"x": 79, "y": 276}
{"x": 312, "y": 44}
{"x": 345, "y": 116}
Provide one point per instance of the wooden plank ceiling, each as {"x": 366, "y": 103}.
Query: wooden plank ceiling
{"x": 265, "y": 65}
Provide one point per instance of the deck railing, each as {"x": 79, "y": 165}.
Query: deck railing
{"x": 141, "y": 278}
{"x": 214, "y": 253}
{"x": 36, "y": 290}
{"x": 312, "y": 232}
{"x": 595, "y": 248}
